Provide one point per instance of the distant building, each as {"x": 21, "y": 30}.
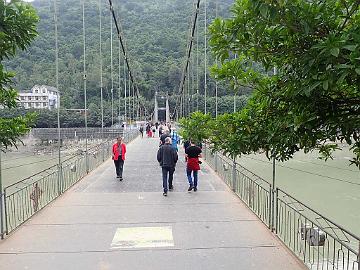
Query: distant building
{"x": 39, "y": 97}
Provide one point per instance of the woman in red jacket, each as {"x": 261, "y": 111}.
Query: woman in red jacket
{"x": 119, "y": 151}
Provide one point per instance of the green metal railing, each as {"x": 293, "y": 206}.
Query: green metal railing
{"x": 313, "y": 238}
{"x": 254, "y": 191}
{"x": 21, "y": 200}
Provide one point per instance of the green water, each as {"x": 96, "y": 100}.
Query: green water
{"x": 331, "y": 188}
{"x": 18, "y": 166}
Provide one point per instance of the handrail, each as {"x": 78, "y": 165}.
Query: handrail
{"x": 320, "y": 215}
{"x": 319, "y": 242}
{"x": 53, "y": 166}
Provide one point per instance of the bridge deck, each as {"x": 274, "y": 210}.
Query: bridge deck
{"x": 105, "y": 224}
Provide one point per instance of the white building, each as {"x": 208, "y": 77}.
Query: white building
{"x": 39, "y": 97}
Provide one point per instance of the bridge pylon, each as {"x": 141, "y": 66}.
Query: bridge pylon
{"x": 162, "y": 112}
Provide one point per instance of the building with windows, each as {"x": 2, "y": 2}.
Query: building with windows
{"x": 39, "y": 97}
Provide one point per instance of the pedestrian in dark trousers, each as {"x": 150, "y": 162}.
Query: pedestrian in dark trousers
{"x": 118, "y": 155}
{"x": 193, "y": 153}
{"x": 141, "y": 129}
{"x": 163, "y": 137}
{"x": 167, "y": 157}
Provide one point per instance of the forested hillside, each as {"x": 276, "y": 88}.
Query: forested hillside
{"x": 156, "y": 33}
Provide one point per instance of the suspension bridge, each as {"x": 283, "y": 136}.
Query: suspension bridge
{"x": 77, "y": 215}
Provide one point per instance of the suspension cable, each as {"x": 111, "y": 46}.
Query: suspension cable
{"x": 188, "y": 89}
{"x": 58, "y": 95}
{"x": 85, "y": 90}
{"x": 119, "y": 56}
{"x": 124, "y": 50}
{"x": 129, "y": 87}
{"x": 125, "y": 90}
{"x": 205, "y": 44}
{"x": 216, "y": 62}
{"x": 193, "y": 82}
{"x": 134, "y": 99}
{"x": 101, "y": 71}
{"x": 197, "y": 69}
{"x": 189, "y": 50}
{"x": 111, "y": 71}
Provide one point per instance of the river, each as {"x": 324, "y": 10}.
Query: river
{"x": 331, "y": 188}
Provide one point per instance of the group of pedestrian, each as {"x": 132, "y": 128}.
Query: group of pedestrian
{"x": 167, "y": 156}
{"x": 153, "y": 129}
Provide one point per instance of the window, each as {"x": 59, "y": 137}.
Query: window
{"x": 36, "y": 91}
{"x": 37, "y": 98}
{"x": 45, "y": 104}
{"x": 22, "y": 98}
{"x": 44, "y": 98}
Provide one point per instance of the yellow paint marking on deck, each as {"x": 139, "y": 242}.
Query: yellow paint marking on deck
{"x": 142, "y": 237}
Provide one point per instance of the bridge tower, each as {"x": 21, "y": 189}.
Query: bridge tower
{"x": 161, "y": 108}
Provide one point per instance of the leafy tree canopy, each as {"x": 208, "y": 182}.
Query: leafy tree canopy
{"x": 313, "y": 100}
{"x": 17, "y": 29}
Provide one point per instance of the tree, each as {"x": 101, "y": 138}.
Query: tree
{"x": 17, "y": 29}
{"x": 156, "y": 41}
{"x": 196, "y": 127}
{"x": 312, "y": 102}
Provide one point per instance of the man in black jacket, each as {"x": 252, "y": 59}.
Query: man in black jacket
{"x": 167, "y": 157}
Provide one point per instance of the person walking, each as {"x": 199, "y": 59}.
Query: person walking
{"x": 148, "y": 130}
{"x": 141, "y": 129}
{"x": 193, "y": 153}
{"x": 165, "y": 135}
{"x": 161, "y": 128}
{"x": 167, "y": 158}
{"x": 118, "y": 155}
{"x": 153, "y": 131}
{"x": 175, "y": 139}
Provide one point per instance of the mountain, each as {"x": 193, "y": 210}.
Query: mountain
{"x": 156, "y": 34}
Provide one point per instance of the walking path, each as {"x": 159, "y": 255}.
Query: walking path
{"x": 105, "y": 224}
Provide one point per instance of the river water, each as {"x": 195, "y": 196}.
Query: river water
{"x": 331, "y": 188}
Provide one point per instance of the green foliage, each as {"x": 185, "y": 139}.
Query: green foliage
{"x": 196, "y": 127}
{"x": 156, "y": 34}
{"x": 17, "y": 29}
{"x": 313, "y": 100}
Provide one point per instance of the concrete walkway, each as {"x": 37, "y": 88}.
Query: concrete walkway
{"x": 105, "y": 224}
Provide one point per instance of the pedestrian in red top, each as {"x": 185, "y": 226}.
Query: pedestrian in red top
{"x": 118, "y": 155}
{"x": 193, "y": 153}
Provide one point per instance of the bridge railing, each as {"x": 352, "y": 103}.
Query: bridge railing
{"x": 23, "y": 199}
{"x": 316, "y": 240}
{"x": 76, "y": 133}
